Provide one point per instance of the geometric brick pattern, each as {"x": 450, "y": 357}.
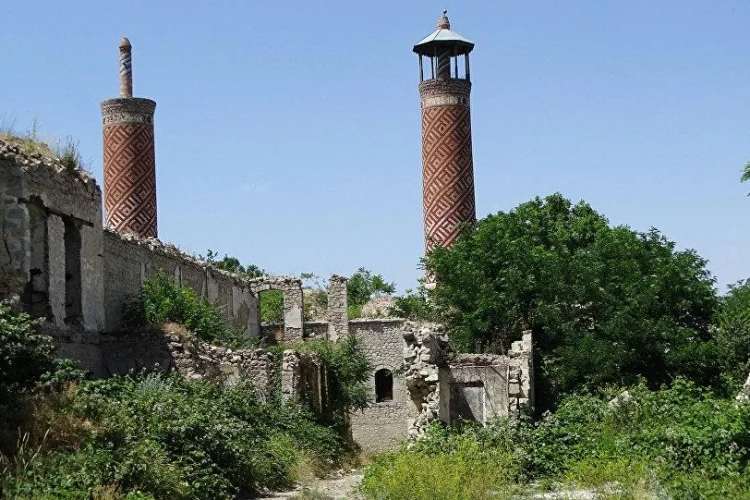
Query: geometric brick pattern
{"x": 130, "y": 178}
{"x": 447, "y": 173}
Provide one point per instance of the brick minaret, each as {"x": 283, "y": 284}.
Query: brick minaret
{"x": 129, "y": 161}
{"x": 447, "y": 165}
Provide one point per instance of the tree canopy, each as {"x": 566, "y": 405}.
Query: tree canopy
{"x": 606, "y": 304}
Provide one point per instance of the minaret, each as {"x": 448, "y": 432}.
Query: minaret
{"x": 447, "y": 165}
{"x": 129, "y": 161}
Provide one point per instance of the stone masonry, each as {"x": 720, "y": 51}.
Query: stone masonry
{"x": 447, "y": 164}
{"x": 129, "y": 157}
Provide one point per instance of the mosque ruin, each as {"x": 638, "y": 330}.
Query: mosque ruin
{"x": 72, "y": 257}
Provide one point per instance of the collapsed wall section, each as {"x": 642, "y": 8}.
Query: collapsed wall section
{"x": 171, "y": 348}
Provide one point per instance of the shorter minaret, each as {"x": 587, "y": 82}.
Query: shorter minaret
{"x": 129, "y": 160}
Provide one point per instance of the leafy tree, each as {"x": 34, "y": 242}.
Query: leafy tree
{"x": 605, "y": 304}
{"x": 414, "y": 304}
{"x": 733, "y": 332}
{"x": 746, "y": 174}
{"x": 363, "y": 286}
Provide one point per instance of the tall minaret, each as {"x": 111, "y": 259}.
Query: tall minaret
{"x": 129, "y": 161}
{"x": 447, "y": 165}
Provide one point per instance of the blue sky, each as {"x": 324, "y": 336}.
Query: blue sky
{"x": 288, "y": 133}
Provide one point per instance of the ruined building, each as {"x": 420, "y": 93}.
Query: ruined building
{"x": 65, "y": 267}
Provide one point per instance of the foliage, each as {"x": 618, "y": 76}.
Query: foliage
{"x": 606, "y": 304}
{"x": 362, "y": 286}
{"x": 160, "y": 436}
{"x": 414, "y": 305}
{"x": 733, "y": 332}
{"x": 27, "y": 357}
{"x": 348, "y": 371}
{"x": 272, "y": 306}
{"x": 233, "y": 265}
{"x": 746, "y": 174}
{"x": 31, "y": 142}
{"x": 467, "y": 471}
{"x": 161, "y": 300}
{"x": 683, "y": 440}
{"x": 25, "y": 354}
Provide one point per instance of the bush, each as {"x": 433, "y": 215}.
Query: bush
{"x": 161, "y": 436}
{"x": 161, "y": 300}
{"x": 25, "y": 354}
{"x": 347, "y": 371}
{"x": 683, "y": 440}
{"x": 467, "y": 470}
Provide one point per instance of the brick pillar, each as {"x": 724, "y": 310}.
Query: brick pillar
{"x": 447, "y": 165}
{"x": 129, "y": 160}
{"x": 338, "y": 316}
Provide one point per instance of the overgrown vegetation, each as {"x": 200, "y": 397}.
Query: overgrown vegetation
{"x": 682, "y": 440}
{"x": 31, "y": 142}
{"x": 161, "y": 300}
{"x": 347, "y": 371}
{"x": 153, "y": 435}
{"x": 363, "y": 286}
{"x": 160, "y": 436}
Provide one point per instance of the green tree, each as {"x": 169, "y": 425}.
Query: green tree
{"x": 363, "y": 286}
{"x": 746, "y": 174}
{"x": 606, "y": 304}
{"x": 733, "y": 332}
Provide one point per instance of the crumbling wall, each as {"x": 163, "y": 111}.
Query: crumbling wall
{"x": 293, "y": 304}
{"x": 382, "y": 426}
{"x": 426, "y": 350}
{"x": 173, "y": 349}
{"x": 128, "y": 260}
{"x": 52, "y": 246}
{"x": 474, "y": 387}
{"x": 478, "y": 387}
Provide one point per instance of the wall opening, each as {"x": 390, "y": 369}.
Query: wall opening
{"x": 73, "y": 295}
{"x": 35, "y": 296}
{"x": 383, "y": 385}
{"x": 466, "y": 402}
{"x": 271, "y": 313}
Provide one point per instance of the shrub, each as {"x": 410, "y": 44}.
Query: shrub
{"x": 348, "y": 369}
{"x": 161, "y": 300}
{"x": 25, "y": 354}
{"x": 161, "y": 436}
{"x": 467, "y": 470}
{"x": 683, "y": 440}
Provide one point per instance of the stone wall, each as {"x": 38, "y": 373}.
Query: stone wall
{"x": 383, "y": 425}
{"x": 478, "y": 387}
{"x": 171, "y": 348}
{"x": 51, "y": 257}
{"x": 128, "y": 260}
{"x": 338, "y": 316}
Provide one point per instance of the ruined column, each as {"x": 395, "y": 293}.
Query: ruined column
{"x": 338, "y": 316}
{"x": 129, "y": 160}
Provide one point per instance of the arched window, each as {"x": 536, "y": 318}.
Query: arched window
{"x": 383, "y": 385}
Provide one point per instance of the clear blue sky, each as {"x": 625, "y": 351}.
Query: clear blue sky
{"x": 288, "y": 134}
